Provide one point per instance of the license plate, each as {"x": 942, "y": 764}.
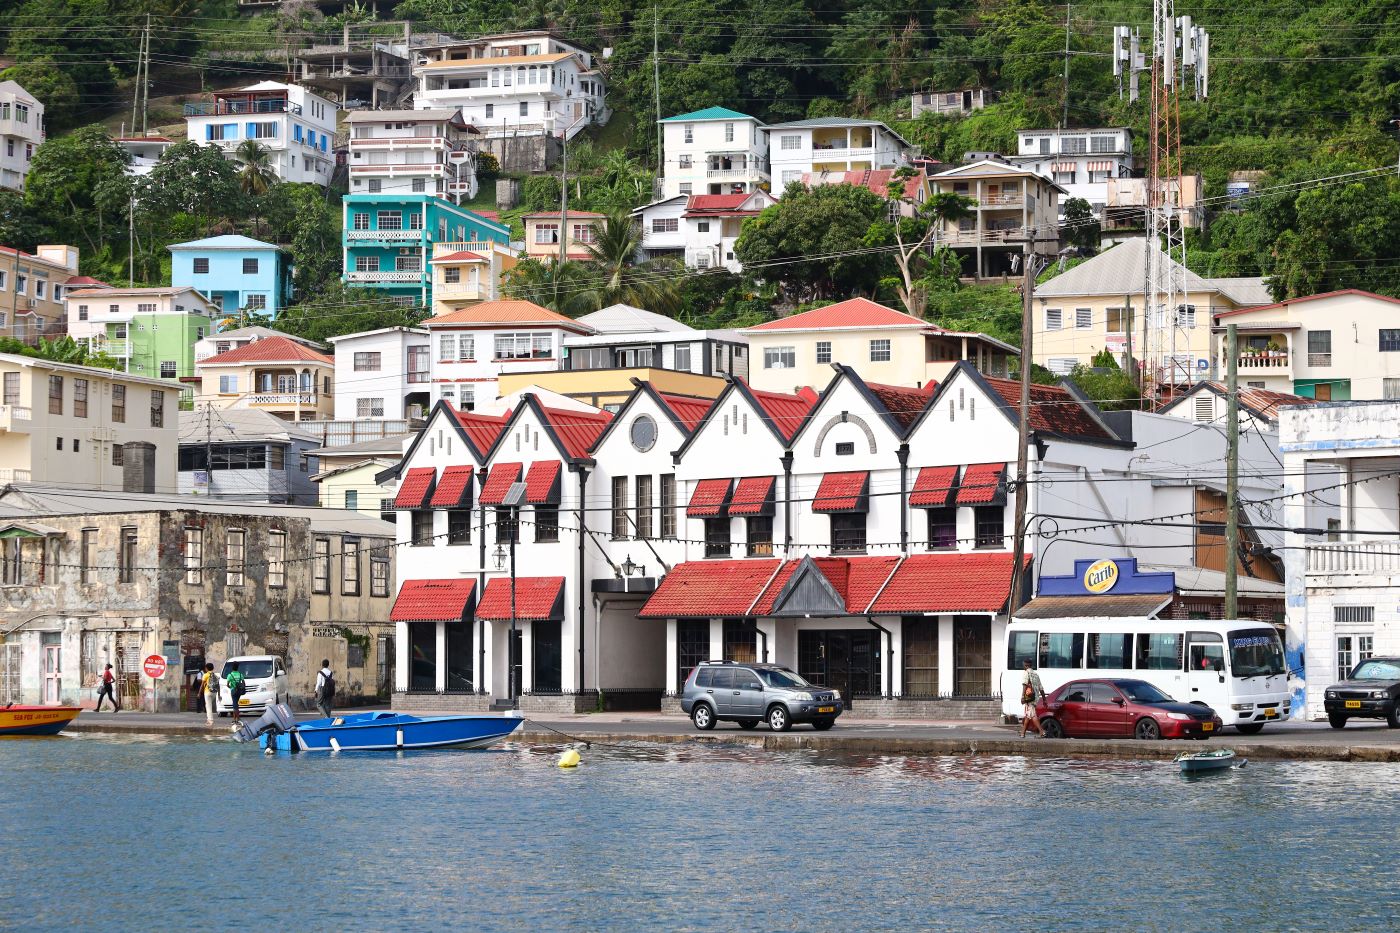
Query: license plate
{"x": 244, "y": 701}
{"x": 1207, "y": 727}
{"x": 1270, "y": 713}
{"x": 826, "y": 709}
{"x": 1353, "y": 704}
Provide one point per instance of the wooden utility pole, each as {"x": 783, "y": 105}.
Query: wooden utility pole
{"x": 656, "y": 89}
{"x": 1064, "y": 119}
{"x": 1023, "y": 429}
{"x": 563, "y": 212}
{"x": 1232, "y": 473}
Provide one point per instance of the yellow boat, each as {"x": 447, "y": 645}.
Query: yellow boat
{"x": 36, "y": 720}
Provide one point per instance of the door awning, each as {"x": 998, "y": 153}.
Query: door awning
{"x": 1100, "y": 166}
{"x": 537, "y": 599}
{"x": 709, "y": 498}
{"x": 542, "y": 483}
{"x": 433, "y": 601}
{"x": 753, "y": 496}
{"x": 1064, "y": 166}
{"x": 417, "y": 485}
{"x": 454, "y": 489}
{"x": 498, "y": 482}
{"x": 1094, "y": 607}
{"x": 843, "y": 492}
{"x": 934, "y": 487}
{"x": 983, "y": 484}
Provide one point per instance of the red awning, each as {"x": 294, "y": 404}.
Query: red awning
{"x": 1100, "y": 166}
{"x": 454, "y": 489}
{"x": 709, "y": 498}
{"x": 536, "y": 598}
{"x": 753, "y": 496}
{"x": 948, "y": 583}
{"x": 498, "y": 483}
{"x": 982, "y": 484}
{"x": 1064, "y": 166}
{"x": 432, "y": 601}
{"x": 416, "y": 486}
{"x": 706, "y": 589}
{"x": 934, "y": 487}
{"x": 843, "y": 492}
{"x": 542, "y": 482}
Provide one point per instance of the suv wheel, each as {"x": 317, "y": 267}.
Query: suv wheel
{"x": 1392, "y": 718}
{"x": 703, "y": 716}
{"x": 1336, "y": 720}
{"x": 778, "y": 719}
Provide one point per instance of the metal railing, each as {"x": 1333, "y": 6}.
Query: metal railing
{"x": 282, "y": 398}
{"x": 385, "y": 276}
{"x": 396, "y": 236}
{"x": 220, "y": 108}
{"x": 1354, "y": 557}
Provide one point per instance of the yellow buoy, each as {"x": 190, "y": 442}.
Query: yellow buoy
{"x": 569, "y": 759}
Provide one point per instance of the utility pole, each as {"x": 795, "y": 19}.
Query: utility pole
{"x": 563, "y": 213}
{"x": 656, "y": 87}
{"x": 146, "y": 79}
{"x": 1232, "y": 473}
{"x": 1023, "y": 433}
{"x": 1064, "y": 119}
{"x": 131, "y": 242}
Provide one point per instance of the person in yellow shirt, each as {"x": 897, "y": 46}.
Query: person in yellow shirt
{"x": 209, "y": 686}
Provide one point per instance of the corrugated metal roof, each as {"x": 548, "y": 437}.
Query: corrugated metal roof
{"x": 1120, "y": 270}
{"x": 1245, "y": 291}
{"x": 852, "y": 313}
{"x": 1093, "y": 607}
{"x": 709, "y": 113}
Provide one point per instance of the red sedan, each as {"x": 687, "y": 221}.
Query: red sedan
{"x": 1126, "y": 708}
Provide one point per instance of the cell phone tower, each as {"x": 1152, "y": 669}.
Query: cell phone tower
{"x": 1180, "y": 54}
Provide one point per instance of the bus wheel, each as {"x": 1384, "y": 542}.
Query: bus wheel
{"x": 1250, "y": 728}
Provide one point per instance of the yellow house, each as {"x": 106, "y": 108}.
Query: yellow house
{"x": 347, "y": 474}
{"x": 1011, "y": 204}
{"x": 883, "y": 345}
{"x": 1096, "y": 306}
{"x": 279, "y": 375}
{"x": 468, "y": 273}
{"x": 542, "y": 234}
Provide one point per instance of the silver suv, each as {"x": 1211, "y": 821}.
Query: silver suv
{"x": 750, "y": 693}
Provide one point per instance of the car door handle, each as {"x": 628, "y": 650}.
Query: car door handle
{"x": 1195, "y": 689}
{"x": 710, "y": 692}
{"x": 736, "y": 692}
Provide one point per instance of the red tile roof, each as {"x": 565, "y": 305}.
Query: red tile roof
{"x": 507, "y": 311}
{"x": 785, "y": 412}
{"x": 453, "y": 490}
{"x": 413, "y": 491}
{"x": 903, "y": 403}
{"x": 876, "y": 180}
{"x": 84, "y": 281}
{"x": 1053, "y": 409}
{"x": 842, "y": 492}
{"x": 717, "y": 205}
{"x": 854, "y": 312}
{"x": 709, "y": 589}
{"x": 465, "y": 255}
{"x": 753, "y": 496}
{"x": 498, "y": 482}
{"x": 482, "y": 429}
{"x": 688, "y": 409}
{"x": 432, "y": 601}
{"x": 576, "y": 430}
{"x": 981, "y": 483}
{"x": 709, "y": 498}
{"x": 271, "y": 350}
{"x": 1264, "y": 402}
{"x": 535, "y": 598}
{"x": 934, "y": 487}
{"x": 542, "y": 482}
{"x": 948, "y": 583}
{"x": 855, "y": 579}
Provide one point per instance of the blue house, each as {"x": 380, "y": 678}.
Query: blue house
{"x": 391, "y": 238}
{"x": 234, "y": 272}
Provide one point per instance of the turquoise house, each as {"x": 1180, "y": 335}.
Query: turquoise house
{"x": 236, "y": 273}
{"x": 389, "y": 241}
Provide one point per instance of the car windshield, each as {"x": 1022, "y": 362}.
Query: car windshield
{"x": 785, "y": 679}
{"x": 1140, "y": 691}
{"x": 252, "y": 670}
{"x": 1376, "y": 670}
{"x": 1256, "y": 651}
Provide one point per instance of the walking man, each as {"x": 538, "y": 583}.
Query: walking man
{"x": 108, "y": 690}
{"x": 1031, "y": 693}
{"x": 209, "y": 685}
{"x": 234, "y": 679}
{"x": 325, "y": 688}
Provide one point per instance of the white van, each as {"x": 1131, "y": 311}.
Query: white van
{"x": 1235, "y": 667}
{"x": 265, "y": 681}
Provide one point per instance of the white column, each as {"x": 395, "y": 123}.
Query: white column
{"x": 716, "y": 639}
{"x": 945, "y": 654}
{"x": 672, "y": 656}
{"x": 769, "y": 640}
{"x": 440, "y": 671}
{"x": 527, "y": 655}
{"x": 402, "y": 657}
{"x": 894, "y": 663}
{"x": 998, "y": 643}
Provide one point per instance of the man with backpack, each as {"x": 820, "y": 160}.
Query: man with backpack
{"x": 236, "y": 688}
{"x": 209, "y": 686}
{"x": 325, "y": 688}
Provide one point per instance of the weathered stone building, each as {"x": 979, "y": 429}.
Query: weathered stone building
{"x": 92, "y": 578}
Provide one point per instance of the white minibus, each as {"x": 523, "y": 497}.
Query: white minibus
{"x": 1236, "y": 668}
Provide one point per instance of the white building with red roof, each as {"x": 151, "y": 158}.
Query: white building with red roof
{"x": 280, "y": 375}
{"x": 913, "y": 193}
{"x": 699, "y": 230}
{"x": 883, "y": 344}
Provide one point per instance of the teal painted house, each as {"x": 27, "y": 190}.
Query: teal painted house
{"x": 389, "y": 241}
{"x": 234, "y": 272}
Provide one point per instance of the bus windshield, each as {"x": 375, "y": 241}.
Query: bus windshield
{"x": 1255, "y": 652}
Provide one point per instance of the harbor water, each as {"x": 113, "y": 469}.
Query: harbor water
{"x": 123, "y": 833}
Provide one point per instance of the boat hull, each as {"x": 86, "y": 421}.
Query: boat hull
{"x": 385, "y": 731}
{"x": 1194, "y": 764}
{"x": 36, "y": 720}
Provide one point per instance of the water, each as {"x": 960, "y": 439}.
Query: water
{"x": 162, "y": 834}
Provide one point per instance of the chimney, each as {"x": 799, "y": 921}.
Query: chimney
{"x": 139, "y": 467}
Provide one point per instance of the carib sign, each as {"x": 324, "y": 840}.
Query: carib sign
{"x": 1101, "y": 576}
{"x": 1108, "y": 576}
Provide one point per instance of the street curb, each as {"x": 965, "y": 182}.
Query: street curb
{"x": 863, "y": 745}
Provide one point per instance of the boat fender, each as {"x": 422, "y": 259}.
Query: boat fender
{"x": 570, "y": 759}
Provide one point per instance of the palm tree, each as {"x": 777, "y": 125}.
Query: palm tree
{"x": 621, "y": 279}
{"x": 256, "y": 176}
{"x": 566, "y": 287}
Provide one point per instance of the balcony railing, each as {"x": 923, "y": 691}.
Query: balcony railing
{"x": 10, "y": 414}
{"x": 239, "y": 107}
{"x": 385, "y": 276}
{"x": 1319, "y": 359}
{"x": 1355, "y": 557}
{"x": 14, "y": 476}
{"x": 1268, "y": 359}
{"x": 282, "y": 398}
{"x": 1003, "y": 200}
{"x": 735, "y": 173}
{"x": 394, "y": 236}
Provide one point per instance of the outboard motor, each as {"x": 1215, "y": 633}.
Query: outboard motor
{"x": 275, "y": 721}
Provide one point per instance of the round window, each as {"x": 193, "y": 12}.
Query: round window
{"x": 643, "y": 432}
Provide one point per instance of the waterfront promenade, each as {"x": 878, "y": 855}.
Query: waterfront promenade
{"x": 1289, "y": 740}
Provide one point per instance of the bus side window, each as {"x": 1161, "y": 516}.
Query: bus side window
{"x": 1062, "y": 650}
{"x": 1021, "y": 649}
{"x": 1159, "y": 651}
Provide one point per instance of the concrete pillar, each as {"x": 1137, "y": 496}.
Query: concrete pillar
{"x": 139, "y": 466}
{"x": 673, "y": 658}
{"x": 894, "y": 664}
{"x": 402, "y": 657}
{"x": 716, "y": 639}
{"x": 527, "y": 656}
{"x": 945, "y": 655}
{"x": 440, "y": 672}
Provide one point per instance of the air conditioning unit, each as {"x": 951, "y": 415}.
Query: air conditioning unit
{"x": 404, "y": 250}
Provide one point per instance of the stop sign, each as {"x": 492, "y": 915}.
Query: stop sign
{"x": 155, "y": 666}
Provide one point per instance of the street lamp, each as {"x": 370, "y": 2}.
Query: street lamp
{"x": 629, "y": 568}
{"x": 512, "y": 500}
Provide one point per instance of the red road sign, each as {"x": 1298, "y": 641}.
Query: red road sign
{"x": 155, "y": 666}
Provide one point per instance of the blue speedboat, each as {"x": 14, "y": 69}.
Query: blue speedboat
{"x": 379, "y": 731}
